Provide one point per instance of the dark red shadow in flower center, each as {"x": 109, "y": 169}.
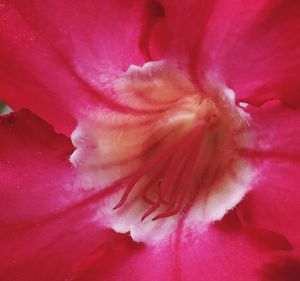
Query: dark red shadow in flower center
{"x": 281, "y": 269}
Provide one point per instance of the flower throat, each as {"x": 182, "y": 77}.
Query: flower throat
{"x": 174, "y": 150}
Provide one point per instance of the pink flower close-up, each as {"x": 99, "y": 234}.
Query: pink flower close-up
{"x": 150, "y": 140}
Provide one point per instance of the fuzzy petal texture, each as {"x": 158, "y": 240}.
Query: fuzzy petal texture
{"x": 54, "y": 56}
{"x": 44, "y": 222}
{"x": 253, "y": 46}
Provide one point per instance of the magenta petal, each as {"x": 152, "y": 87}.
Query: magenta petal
{"x": 253, "y": 46}
{"x": 55, "y": 55}
{"x": 281, "y": 268}
{"x": 212, "y": 255}
{"x": 178, "y": 36}
{"x": 258, "y": 54}
{"x": 107, "y": 260}
{"x": 44, "y": 232}
{"x": 274, "y": 203}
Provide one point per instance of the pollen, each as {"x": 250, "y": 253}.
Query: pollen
{"x": 171, "y": 151}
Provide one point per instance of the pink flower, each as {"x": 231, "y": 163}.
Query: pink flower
{"x": 182, "y": 116}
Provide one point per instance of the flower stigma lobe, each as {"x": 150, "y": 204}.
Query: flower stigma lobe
{"x": 173, "y": 153}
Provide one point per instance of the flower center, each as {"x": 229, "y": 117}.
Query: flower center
{"x": 172, "y": 151}
{"x": 188, "y": 139}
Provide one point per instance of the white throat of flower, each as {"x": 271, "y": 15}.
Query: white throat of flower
{"x": 173, "y": 152}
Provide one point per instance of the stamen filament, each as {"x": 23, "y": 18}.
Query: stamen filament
{"x": 152, "y": 163}
{"x": 187, "y": 178}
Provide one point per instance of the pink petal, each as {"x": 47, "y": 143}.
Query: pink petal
{"x": 105, "y": 261}
{"x": 45, "y": 227}
{"x": 260, "y": 57}
{"x": 274, "y": 203}
{"x": 253, "y": 46}
{"x": 56, "y": 55}
{"x": 213, "y": 255}
{"x": 178, "y": 36}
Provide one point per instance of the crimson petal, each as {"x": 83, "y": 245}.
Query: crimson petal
{"x": 274, "y": 202}
{"x": 43, "y": 223}
{"x": 253, "y": 46}
{"x": 209, "y": 255}
{"x": 55, "y": 56}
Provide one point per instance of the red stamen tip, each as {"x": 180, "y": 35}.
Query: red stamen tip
{"x": 119, "y": 205}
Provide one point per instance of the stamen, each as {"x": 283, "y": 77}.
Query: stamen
{"x": 186, "y": 178}
{"x": 172, "y": 176}
{"x": 152, "y": 163}
{"x": 126, "y": 193}
{"x": 148, "y": 187}
{"x": 177, "y": 163}
{"x": 151, "y": 210}
{"x": 182, "y": 157}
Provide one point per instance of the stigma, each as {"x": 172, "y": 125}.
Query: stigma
{"x": 170, "y": 151}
